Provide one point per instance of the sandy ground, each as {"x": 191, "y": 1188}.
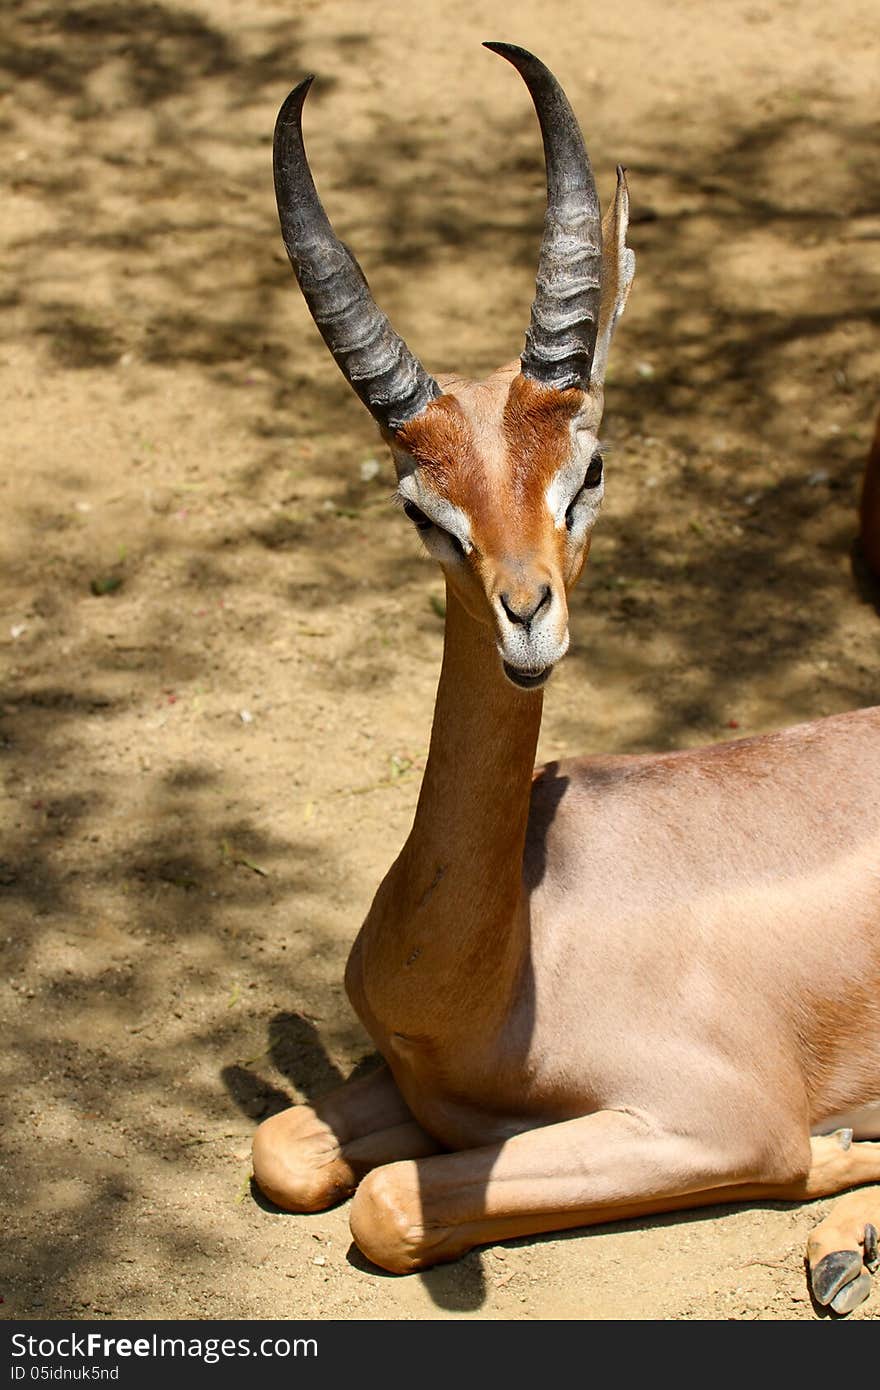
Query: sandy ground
{"x": 219, "y": 643}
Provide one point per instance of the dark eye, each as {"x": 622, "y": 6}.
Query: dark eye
{"x": 592, "y": 479}
{"x": 454, "y": 542}
{"x": 417, "y": 516}
{"x": 424, "y": 523}
{"x": 594, "y": 472}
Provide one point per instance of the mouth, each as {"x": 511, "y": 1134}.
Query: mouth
{"x": 526, "y": 680}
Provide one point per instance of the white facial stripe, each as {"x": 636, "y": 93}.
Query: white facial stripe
{"x": 567, "y": 481}
{"x": 562, "y": 488}
{"x": 444, "y": 514}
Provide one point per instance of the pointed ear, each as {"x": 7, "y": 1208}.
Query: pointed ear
{"x": 618, "y": 268}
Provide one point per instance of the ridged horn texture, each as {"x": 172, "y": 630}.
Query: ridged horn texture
{"x": 392, "y": 384}
{"x": 561, "y": 337}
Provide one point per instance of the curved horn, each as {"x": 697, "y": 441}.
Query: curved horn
{"x": 392, "y": 384}
{"x": 561, "y": 337}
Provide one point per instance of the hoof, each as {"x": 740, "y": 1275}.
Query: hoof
{"x": 840, "y": 1281}
{"x": 852, "y": 1294}
{"x": 833, "y": 1272}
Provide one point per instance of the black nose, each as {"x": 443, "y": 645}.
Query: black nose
{"x": 524, "y": 614}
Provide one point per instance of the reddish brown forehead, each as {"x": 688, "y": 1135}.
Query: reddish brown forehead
{"x": 459, "y": 452}
{"x": 537, "y": 422}
{"x": 440, "y": 440}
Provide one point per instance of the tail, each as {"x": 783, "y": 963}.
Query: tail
{"x": 869, "y": 508}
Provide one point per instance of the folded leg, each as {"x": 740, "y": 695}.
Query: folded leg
{"x": 609, "y": 1166}
{"x": 603, "y": 1167}
{"x": 310, "y": 1157}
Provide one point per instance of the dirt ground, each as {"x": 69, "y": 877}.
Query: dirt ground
{"x": 219, "y": 643}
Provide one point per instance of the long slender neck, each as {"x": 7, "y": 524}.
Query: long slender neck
{"x": 449, "y": 908}
{"x": 474, "y": 802}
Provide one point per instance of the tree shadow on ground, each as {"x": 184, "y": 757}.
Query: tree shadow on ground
{"x": 175, "y": 263}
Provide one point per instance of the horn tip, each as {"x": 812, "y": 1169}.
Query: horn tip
{"x": 511, "y": 51}
{"x": 294, "y": 102}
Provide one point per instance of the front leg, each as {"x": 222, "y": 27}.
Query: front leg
{"x": 310, "y": 1157}
{"x": 602, "y": 1167}
{"x": 609, "y": 1166}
